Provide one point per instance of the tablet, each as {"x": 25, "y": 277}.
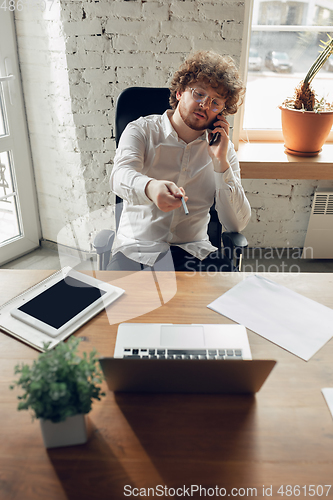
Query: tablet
{"x": 73, "y": 298}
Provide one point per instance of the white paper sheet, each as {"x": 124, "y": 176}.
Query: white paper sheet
{"x": 290, "y": 320}
{"x": 328, "y": 395}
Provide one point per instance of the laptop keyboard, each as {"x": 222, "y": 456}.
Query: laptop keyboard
{"x": 182, "y": 353}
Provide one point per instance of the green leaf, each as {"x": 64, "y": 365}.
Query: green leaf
{"x": 59, "y": 383}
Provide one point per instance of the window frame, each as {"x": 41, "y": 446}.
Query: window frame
{"x": 15, "y": 141}
{"x": 243, "y": 135}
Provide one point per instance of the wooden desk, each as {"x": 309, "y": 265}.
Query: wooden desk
{"x": 283, "y": 436}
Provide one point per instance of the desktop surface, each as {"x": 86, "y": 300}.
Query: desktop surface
{"x": 279, "y": 441}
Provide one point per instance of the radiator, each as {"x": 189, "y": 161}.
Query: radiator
{"x": 319, "y": 237}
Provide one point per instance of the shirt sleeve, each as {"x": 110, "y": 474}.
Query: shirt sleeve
{"x": 127, "y": 178}
{"x": 232, "y": 206}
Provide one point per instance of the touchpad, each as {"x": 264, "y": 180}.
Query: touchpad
{"x": 182, "y": 336}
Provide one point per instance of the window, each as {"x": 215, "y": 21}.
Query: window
{"x": 19, "y": 225}
{"x": 284, "y": 40}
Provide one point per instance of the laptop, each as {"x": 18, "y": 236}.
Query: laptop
{"x": 169, "y": 358}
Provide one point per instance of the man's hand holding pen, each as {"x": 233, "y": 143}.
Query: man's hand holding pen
{"x": 166, "y": 195}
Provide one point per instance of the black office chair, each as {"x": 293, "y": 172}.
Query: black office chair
{"x": 132, "y": 103}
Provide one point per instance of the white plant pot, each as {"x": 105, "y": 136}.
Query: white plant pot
{"x": 67, "y": 433}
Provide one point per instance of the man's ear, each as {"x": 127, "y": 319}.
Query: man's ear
{"x": 178, "y": 95}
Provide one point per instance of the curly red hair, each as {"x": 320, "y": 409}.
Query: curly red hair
{"x": 218, "y": 71}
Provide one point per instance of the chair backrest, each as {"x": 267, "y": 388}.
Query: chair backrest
{"x": 134, "y": 102}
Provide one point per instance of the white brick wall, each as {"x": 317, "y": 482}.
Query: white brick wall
{"x": 53, "y": 134}
{"x": 280, "y": 211}
{"x": 76, "y": 57}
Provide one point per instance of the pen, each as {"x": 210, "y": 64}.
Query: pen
{"x": 184, "y": 206}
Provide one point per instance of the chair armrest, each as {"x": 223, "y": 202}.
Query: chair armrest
{"x": 103, "y": 242}
{"x": 234, "y": 239}
{"x": 233, "y": 247}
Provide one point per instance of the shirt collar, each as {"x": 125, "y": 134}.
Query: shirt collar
{"x": 167, "y": 127}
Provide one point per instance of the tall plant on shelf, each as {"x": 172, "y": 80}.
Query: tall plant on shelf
{"x": 304, "y": 134}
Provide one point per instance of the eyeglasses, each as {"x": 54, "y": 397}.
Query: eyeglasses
{"x": 216, "y": 104}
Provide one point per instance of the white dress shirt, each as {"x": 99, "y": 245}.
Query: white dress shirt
{"x": 149, "y": 148}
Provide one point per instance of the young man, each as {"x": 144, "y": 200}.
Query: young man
{"x": 162, "y": 158}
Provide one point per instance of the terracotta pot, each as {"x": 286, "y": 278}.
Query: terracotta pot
{"x": 305, "y": 132}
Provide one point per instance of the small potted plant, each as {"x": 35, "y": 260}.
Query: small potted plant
{"x": 59, "y": 388}
{"x": 307, "y": 120}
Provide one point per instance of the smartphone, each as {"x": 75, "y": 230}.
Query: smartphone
{"x": 214, "y": 138}
{"x": 216, "y": 135}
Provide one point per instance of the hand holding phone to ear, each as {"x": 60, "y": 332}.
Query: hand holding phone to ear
{"x": 219, "y": 141}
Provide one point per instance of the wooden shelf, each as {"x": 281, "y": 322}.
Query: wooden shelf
{"x": 263, "y": 160}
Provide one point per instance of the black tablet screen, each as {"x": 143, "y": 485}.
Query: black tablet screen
{"x": 62, "y": 301}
